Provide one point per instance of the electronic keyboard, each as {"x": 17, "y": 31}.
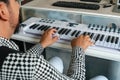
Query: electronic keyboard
{"x": 102, "y": 36}
{"x": 76, "y": 5}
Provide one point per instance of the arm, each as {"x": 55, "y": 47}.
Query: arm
{"x": 29, "y": 66}
{"x": 46, "y": 40}
{"x": 45, "y": 71}
{"x": 77, "y": 64}
{"x": 35, "y": 50}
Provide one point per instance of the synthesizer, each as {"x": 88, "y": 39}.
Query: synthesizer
{"x": 102, "y": 36}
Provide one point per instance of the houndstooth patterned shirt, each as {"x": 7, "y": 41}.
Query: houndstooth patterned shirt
{"x": 32, "y": 66}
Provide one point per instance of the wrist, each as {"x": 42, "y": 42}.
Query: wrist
{"x": 43, "y": 45}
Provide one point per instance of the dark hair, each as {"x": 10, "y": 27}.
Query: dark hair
{"x": 5, "y": 1}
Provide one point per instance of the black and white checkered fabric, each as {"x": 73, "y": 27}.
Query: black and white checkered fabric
{"x": 32, "y": 66}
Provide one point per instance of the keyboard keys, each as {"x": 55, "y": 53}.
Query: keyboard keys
{"x": 73, "y": 33}
{"x": 47, "y": 28}
{"x": 40, "y": 27}
{"x": 77, "y": 34}
{"x": 76, "y": 5}
{"x": 91, "y": 0}
{"x": 60, "y": 31}
{"x": 116, "y": 41}
{"x": 63, "y": 32}
{"x": 97, "y": 37}
{"x": 34, "y": 26}
{"x": 100, "y": 35}
{"x": 68, "y": 31}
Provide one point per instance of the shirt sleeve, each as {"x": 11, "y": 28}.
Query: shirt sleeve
{"x": 35, "y": 50}
{"x": 45, "y": 71}
{"x": 77, "y": 64}
{"x": 33, "y": 67}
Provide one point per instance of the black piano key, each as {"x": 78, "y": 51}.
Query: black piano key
{"x": 94, "y": 37}
{"x": 63, "y": 32}
{"x": 97, "y": 37}
{"x": 55, "y": 28}
{"x": 33, "y": 26}
{"x": 47, "y": 28}
{"x": 108, "y": 39}
{"x": 77, "y": 34}
{"x": 67, "y": 32}
{"x": 112, "y": 40}
{"x": 44, "y": 27}
{"x": 116, "y": 41}
{"x": 36, "y": 26}
{"x": 91, "y": 36}
{"x": 60, "y": 31}
{"x": 85, "y": 33}
{"x": 102, "y": 37}
{"x": 40, "y": 27}
{"x": 73, "y": 33}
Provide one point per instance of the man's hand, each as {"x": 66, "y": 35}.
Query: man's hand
{"x": 82, "y": 41}
{"x": 48, "y": 38}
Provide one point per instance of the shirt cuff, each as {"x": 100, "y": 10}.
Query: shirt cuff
{"x": 78, "y": 52}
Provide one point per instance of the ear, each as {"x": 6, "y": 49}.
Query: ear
{"x": 4, "y": 13}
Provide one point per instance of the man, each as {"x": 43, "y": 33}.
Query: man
{"x": 31, "y": 65}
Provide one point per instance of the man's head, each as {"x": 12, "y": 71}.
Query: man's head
{"x": 9, "y": 13}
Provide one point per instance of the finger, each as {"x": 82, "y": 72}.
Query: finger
{"x": 81, "y": 36}
{"x": 88, "y": 39}
{"x": 48, "y": 30}
{"x": 91, "y": 43}
{"x": 55, "y": 38}
{"x": 87, "y": 36}
{"x": 52, "y": 31}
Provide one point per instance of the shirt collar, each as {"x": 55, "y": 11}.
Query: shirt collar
{"x": 8, "y": 43}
